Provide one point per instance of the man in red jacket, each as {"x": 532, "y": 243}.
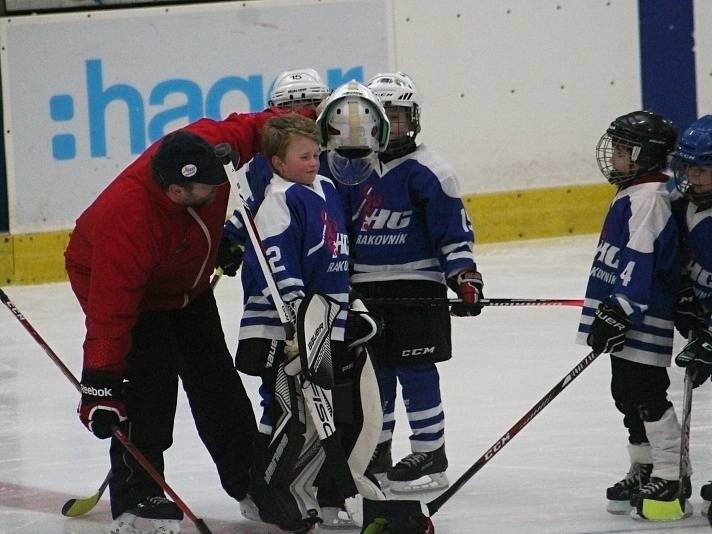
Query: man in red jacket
{"x": 139, "y": 261}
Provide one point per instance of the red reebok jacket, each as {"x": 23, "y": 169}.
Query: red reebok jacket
{"x": 134, "y": 249}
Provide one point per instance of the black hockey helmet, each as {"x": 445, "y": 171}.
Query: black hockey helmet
{"x": 649, "y": 138}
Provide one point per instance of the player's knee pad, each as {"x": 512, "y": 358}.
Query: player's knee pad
{"x": 652, "y": 410}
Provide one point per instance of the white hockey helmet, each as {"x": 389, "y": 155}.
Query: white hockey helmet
{"x": 354, "y": 128}
{"x": 398, "y": 89}
{"x": 298, "y": 87}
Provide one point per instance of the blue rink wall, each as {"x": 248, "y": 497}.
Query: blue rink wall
{"x": 515, "y": 95}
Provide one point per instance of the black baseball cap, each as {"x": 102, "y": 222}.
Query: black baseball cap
{"x": 185, "y": 157}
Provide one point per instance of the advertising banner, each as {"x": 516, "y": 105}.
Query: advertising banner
{"x": 85, "y": 93}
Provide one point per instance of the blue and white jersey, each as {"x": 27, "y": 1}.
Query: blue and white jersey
{"x": 257, "y": 178}
{"x": 697, "y": 254}
{"x": 303, "y": 231}
{"x": 637, "y": 264}
{"x": 407, "y": 221}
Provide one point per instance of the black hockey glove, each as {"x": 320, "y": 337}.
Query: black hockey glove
{"x": 608, "y": 329}
{"x": 689, "y": 315}
{"x": 101, "y": 406}
{"x": 229, "y": 257}
{"x": 468, "y": 286}
{"x": 697, "y": 354}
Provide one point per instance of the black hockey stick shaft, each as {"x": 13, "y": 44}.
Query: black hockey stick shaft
{"x": 685, "y": 428}
{"x": 435, "y": 504}
{"x": 435, "y": 301}
{"x": 118, "y": 433}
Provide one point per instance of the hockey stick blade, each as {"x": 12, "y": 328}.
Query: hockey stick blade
{"x": 396, "y": 511}
{"x": 115, "y": 430}
{"x": 77, "y": 507}
{"x": 435, "y": 301}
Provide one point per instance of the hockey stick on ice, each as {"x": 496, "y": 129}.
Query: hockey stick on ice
{"x": 83, "y": 505}
{"x": 401, "y": 512}
{"x": 435, "y": 301}
{"x": 118, "y": 433}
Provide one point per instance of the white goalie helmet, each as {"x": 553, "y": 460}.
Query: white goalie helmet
{"x": 398, "y": 89}
{"x": 354, "y": 129}
{"x": 298, "y": 87}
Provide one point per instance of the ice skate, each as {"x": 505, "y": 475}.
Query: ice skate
{"x": 662, "y": 500}
{"x": 620, "y": 494}
{"x": 153, "y": 515}
{"x": 420, "y": 471}
{"x": 706, "y": 494}
{"x": 381, "y": 463}
{"x": 335, "y": 518}
{"x": 249, "y": 509}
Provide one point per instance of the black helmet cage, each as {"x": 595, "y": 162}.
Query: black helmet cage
{"x": 404, "y": 144}
{"x": 648, "y": 137}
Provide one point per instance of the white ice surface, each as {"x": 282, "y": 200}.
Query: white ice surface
{"x": 550, "y": 478}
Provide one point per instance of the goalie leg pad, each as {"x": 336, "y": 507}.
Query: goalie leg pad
{"x": 289, "y": 462}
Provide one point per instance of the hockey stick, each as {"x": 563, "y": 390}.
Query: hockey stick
{"x": 118, "y": 433}
{"x": 435, "y": 301}
{"x": 79, "y": 506}
{"x": 403, "y": 512}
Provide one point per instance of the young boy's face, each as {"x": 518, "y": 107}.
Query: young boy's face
{"x": 620, "y": 158}
{"x": 301, "y": 161}
{"x": 400, "y": 123}
{"x": 700, "y": 179}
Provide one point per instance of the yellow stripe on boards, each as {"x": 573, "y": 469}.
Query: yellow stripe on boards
{"x": 33, "y": 258}
{"x": 538, "y": 213}
{"x": 504, "y": 216}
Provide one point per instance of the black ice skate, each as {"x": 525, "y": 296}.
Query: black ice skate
{"x": 620, "y": 494}
{"x": 152, "y": 515}
{"x": 420, "y": 471}
{"x": 381, "y": 463}
{"x": 706, "y": 494}
{"x": 662, "y": 500}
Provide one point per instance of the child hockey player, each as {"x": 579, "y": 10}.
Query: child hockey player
{"x": 301, "y": 88}
{"x": 304, "y": 239}
{"x": 692, "y": 165}
{"x": 410, "y": 236}
{"x": 628, "y": 310}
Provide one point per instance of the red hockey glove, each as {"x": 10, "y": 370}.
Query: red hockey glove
{"x": 101, "y": 406}
{"x": 468, "y": 286}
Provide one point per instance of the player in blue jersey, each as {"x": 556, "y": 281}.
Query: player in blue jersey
{"x": 304, "y": 237}
{"x": 410, "y": 236}
{"x": 301, "y": 88}
{"x": 628, "y": 310}
{"x": 692, "y": 166}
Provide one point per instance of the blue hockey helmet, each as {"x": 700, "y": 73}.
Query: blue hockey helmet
{"x": 694, "y": 152}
